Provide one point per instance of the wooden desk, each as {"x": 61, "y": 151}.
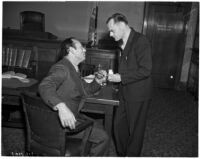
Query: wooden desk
{"x": 103, "y": 103}
{"x": 11, "y": 101}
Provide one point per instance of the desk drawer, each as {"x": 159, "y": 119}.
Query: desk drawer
{"x": 11, "y": 100}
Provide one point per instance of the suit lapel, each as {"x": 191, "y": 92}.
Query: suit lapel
{"x": 133, "y": 37}
{"x": 128, "y": 44}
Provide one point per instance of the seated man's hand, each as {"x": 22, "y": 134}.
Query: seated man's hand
{"x": 114, "y": 77}
{"x": 101, "y": 76}
{"x": 67, "y": 118}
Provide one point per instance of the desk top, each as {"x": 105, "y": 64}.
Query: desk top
{"x": 16, "y": 83}
{"x": 14, "y": 86}
{"x": 107, "y": 95}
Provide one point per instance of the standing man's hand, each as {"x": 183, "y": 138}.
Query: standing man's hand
{"x": 114, "y": 77}
{"x": 67, "y": 118}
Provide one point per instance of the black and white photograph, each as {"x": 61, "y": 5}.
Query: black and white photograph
{"x": 100, "y": 78}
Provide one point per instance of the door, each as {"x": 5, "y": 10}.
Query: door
{"x": 164, "y": 27}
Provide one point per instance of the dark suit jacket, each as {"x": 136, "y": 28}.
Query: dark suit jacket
{"x": 63, "y": 84}
{"x": 135, "y": 68}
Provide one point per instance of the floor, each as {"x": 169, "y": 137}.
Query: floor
{"x": 171, "y": 131}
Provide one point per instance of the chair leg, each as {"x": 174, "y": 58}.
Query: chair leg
{"x": 85, "y": 143}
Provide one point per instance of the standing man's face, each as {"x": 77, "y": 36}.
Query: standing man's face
{"x": 115, "y": 30}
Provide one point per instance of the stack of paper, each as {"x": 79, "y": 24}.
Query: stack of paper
{"x": 12, "y": 74}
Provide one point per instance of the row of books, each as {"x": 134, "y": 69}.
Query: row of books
{"x": 15, "y": 57}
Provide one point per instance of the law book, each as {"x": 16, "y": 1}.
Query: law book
{"x": 14, "y": 57}
{"x": 7, "y": 56}
{"x": 3, "y": 55}
{"x": 20, "y": 56}
{"x": 10, "y": 56}
{"x": 26, "y": 58}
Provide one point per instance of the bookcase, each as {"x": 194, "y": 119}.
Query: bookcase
{"x": 43, "y": 54}
{"x": 19, "y": 59}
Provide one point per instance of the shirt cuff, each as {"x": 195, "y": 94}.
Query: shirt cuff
{"x": 57, "y": 105}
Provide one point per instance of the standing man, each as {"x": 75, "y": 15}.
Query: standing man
{"x": 135, "y": 85}
{"x": 63, "y": 90}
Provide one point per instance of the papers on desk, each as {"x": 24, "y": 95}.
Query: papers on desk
{"x": 89, "y": 78}
{"x": 12, "y": 74}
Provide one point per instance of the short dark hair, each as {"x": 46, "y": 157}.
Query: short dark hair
{"x": 118, "y": 17}
{"x": 64, "y": 47}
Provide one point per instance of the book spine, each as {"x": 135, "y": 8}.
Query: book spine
{"x": 10, "y": 57}
{"x": 20, "y": 56}
{"x": 7, "y": 56}
{"x": 14, "y": 57}
{"x": 3, "y": 56}
{"x": 26, "y": 59}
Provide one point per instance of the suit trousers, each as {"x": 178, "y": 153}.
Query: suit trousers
{"x": 129, "y": 127}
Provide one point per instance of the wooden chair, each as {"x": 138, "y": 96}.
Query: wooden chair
{"x": 46, "y": 136}
{"x": 86, "y": 69}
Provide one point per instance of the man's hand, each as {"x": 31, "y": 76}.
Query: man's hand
{"x": 66, "y": 116}
{"x": 101, "y": 76}
{"x": 114, "y": 77}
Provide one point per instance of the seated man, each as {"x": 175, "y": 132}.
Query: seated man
{"x": 63, "y": 89}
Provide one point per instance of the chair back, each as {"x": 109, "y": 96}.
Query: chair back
{"x": 45, "y": 134}
{"x": 86, "y": 69}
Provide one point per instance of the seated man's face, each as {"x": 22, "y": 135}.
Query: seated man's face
{"x": 80, "y": 51}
